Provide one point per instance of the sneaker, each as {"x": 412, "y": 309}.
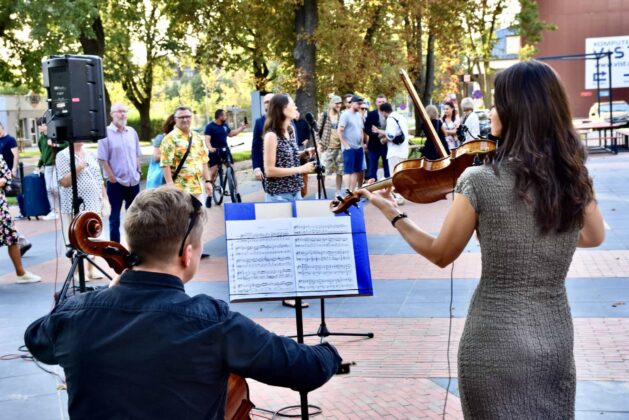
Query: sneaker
{"x": 25, "y": 245}
{"x": 50, "y": 216}
{"x": 28, "y": 277}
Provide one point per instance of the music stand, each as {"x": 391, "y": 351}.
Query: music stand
{"x": 323, "y": 330}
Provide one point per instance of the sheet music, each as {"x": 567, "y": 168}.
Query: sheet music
{"x": 260, "y": 255}
{"x": 324, "y": 255}
{"x": 290, "y": 257}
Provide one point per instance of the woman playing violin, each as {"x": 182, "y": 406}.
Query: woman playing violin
{"x": 531, "y": 204}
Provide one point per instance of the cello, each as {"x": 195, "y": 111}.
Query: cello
{"x": 88, "y": 225}
{"x": 424, "y": 180}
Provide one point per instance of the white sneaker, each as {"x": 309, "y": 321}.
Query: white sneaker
{"x": 50, "y": 216}
{"x": 28, "y": 277}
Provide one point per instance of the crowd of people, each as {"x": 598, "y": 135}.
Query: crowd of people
{"x": 353, "y": 142}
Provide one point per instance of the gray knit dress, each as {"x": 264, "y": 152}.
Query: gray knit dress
{"x": 516, "y": 353}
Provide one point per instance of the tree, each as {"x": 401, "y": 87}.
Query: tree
{"x": 151, "y": 26}
{"x": 480, "y": 24}
{"x": 243, "y": 34}
{"x": 305, "y": 55}
{"x": 530, "y": 27}
{"x": 106, "y": 28}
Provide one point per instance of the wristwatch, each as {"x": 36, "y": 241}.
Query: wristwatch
{"x": 398, "y": 217}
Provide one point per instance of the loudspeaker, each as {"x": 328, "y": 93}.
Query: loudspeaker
{"x": 76, "y": 97}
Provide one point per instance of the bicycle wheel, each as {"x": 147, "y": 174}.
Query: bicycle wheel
{"x": 217, "y": 193}
{"x": 231, "y": 184}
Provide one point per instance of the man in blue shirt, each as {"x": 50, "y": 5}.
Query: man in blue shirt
{"x": 144, "y": 349}
{"x": 8, "y": 149}
{"x": 216, "y": 134}
{"x": 257, "y": 143}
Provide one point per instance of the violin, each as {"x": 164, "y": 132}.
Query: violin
{"x": 424, "y": 180}
{"x": 83, "y": 230}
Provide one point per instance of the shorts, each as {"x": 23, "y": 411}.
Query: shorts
{"x": 282, "y": 197}
{"x": 353, "y": 160}
{"x": 333, "y": 161}
{"x": 218, "y": 157}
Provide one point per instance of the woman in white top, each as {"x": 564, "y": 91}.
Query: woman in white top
{"x": 89, "y": 187}
{"x": 470, "y": 119}
{"x": 396, "y": 125}
{"x": 450, "y": 124}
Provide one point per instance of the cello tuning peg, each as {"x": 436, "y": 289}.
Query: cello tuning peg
{"x": 339, "y": 198}
{"x": 347, "y": 191}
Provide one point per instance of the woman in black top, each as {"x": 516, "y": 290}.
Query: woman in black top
{"x": 283, "y": 180}
{"x": 429, "y": 151}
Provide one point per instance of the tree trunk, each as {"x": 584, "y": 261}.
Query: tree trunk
{"x": 96, "y": 46}
{"x": 305, "y": 54}
{"x": 430, "y": 69}
{"x": 145, "y": 119}
{"x": 260, "y": 74}
{"x": 419, "y": 81}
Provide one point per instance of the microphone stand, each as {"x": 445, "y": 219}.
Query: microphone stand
{"x": 323, "y": 331}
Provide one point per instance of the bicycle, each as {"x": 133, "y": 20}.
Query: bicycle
{"x": 225, "y": 181}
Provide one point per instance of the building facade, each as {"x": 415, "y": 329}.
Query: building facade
{"x": 577, "y": 21}
{"x": 18, "y": 115}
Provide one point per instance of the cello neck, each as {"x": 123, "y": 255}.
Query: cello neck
{"x": 430, "y": 131}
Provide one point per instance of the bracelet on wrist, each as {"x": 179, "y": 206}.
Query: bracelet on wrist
{"x": 397, "y": 218}
{"x": 207, "y": 181}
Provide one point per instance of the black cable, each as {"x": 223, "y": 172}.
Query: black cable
{"x": 279, "y": 413}
{"x": 28, "y": 357}
{"x": 445, "y": 402}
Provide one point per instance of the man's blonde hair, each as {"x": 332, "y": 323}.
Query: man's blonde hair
{"x": 158, "y": 220}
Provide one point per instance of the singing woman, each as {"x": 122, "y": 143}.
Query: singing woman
{"x": 531, "y": 205}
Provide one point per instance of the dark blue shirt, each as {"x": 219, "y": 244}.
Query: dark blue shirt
{"x": 257, "y": 144}
{"x": 146, "y": 350}
{"x": 373, "y": 120}
{"x": 218, "y": 134}
{"x": 7, "y": 143}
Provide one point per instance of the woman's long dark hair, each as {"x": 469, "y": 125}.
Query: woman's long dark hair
{"x": 275, "y": 115}
{"x": 539, "y": 140}
{"x": 169, "y": 124}
{"x": 453, "y": 116}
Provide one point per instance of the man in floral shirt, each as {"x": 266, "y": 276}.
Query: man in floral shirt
{"x": 194, "y": 176}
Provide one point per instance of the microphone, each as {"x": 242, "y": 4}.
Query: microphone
{"x": 311, "y": 120}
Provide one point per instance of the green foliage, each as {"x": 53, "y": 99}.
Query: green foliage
{"x": 156, "y": 125}
{"x": 530, "y": 27}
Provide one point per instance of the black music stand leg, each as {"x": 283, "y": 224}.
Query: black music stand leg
{"x": 323, "y": 331}
{"x": 303, "y": 396}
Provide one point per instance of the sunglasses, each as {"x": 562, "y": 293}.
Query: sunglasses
{"x": 196, "y": 206}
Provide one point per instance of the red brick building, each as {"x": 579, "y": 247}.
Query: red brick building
{"x": 576, "y": 21}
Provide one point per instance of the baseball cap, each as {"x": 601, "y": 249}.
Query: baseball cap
{"x": 356, "y": 98}
{"x": 336, "y": 99}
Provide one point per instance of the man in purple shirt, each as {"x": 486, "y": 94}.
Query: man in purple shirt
{"x": 119, "y": 154}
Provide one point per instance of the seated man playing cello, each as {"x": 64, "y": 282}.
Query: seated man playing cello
{"x": 144, "y": 349}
